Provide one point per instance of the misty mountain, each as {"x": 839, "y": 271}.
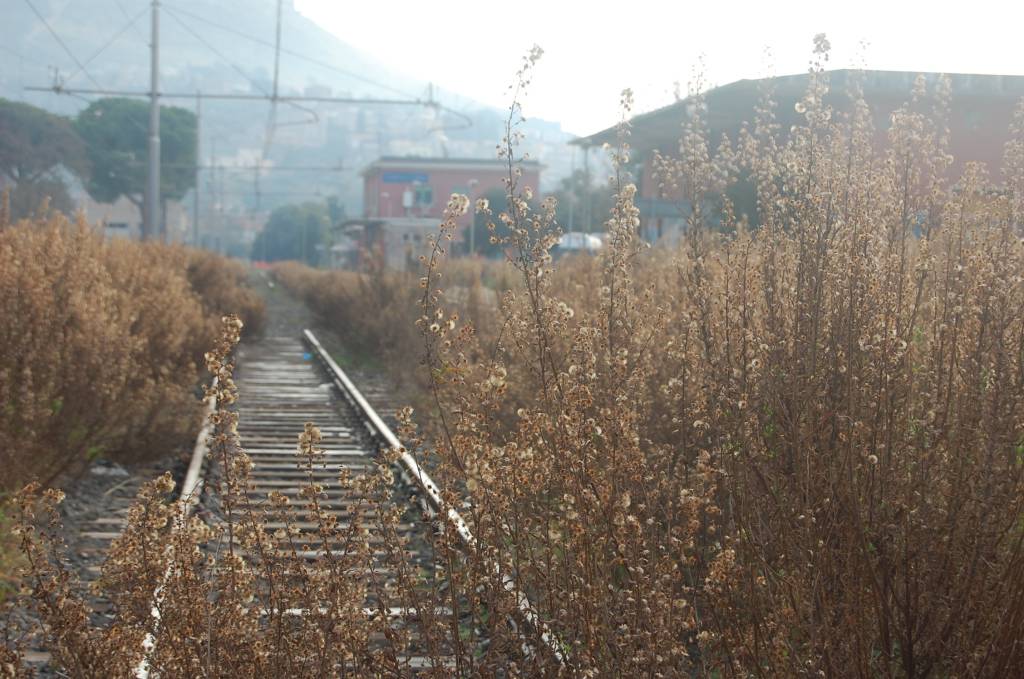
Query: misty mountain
{"x": 227, "y": 46}
{"x": 205, "y": 45}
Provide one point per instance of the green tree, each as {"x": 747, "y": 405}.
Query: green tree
{"x": 116, "y": 133}
{"x": 34, "y": 146}
{"x": 293, "y": 232}
{"x": 26, "y": 198}
{"x": 573, "y": 198}
{"x": 34, "y": 143}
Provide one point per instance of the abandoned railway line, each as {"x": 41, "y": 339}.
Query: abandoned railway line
{"x": 288, "y": 380}
{"x": 285, "y": 380}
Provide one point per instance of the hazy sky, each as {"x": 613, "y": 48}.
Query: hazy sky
{"x": 594, "y": 49}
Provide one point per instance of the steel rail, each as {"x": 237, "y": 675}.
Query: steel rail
{"x": 413, "y": 471}
{"x": 191, "y": 489}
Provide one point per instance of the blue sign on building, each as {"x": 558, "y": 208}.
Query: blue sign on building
{"x": 405, "y": 177}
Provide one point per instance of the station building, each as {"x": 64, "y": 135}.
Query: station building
{"x": 404, "y": 199}
{"x": 980, "y": 112}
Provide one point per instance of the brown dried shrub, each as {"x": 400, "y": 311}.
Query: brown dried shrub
{"x": 223, "y": 288}
{"x": 364, "y": 308}
{"x": 789, "y": 451}
{"x": 234, "y": 597}
{"x": 99, "y": 346}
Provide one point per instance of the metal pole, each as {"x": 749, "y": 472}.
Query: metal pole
{"x": 268, "y": 139}
{"x": 572, "y": 189}
{"x": 586, "y": 189}
{"x": 152, "y": 217}
{"x": 195, "y": 191}
{"x": 277, "y": 50}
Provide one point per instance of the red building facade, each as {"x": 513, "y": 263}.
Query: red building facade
{"x": 395, "y": 187}
{"x": 404, "y": 199}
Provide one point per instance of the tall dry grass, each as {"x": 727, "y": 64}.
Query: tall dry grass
{"x": 100, "y": 344}
{"x": 786, "y": 452}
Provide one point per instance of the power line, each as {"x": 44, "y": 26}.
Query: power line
{"x": 12, "y": 52}
{"x": 250, "y": 168}
{"x": 107, "y": 44}
{"x": 141, "y": 37}
{"x": 238, "y": 69}
{"x": 59, "y": 86}
{"x": 60, "y": 42}
{"x": 246, "y": 168}
{"x": 292, "y": 53}
{"x": 60, "y": 89}
{"x": 322, "y": 194}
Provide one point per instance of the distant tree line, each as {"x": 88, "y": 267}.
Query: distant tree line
{"x": 104, "y": 147}
{"x": 295, "y": 232}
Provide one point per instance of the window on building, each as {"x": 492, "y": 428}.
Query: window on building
{"x": 423, "y": 195}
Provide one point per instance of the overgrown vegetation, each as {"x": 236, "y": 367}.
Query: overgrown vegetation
{"x": 100, "y": 344}
{"x": 795, "y": 451}
{"x": 792, "y": 450}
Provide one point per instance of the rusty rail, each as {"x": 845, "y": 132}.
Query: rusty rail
{"x": 413, "y": 472}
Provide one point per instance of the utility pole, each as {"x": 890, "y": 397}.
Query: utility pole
{"x": 572, "y": 190}
{"x": 268, "y": 139}
{"x": 151, "y": 220}
{"x": 195, "y": 191}
{"x": 277, "y": 50}
{"x": 216, "y": 216}
{"x": 586, "y": 189}
{"x": 215, "y": 198}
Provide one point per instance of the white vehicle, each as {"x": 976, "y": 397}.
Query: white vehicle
{"x": 577, "y": 241}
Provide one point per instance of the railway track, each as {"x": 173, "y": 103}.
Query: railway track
{"x": 284, "y": 381}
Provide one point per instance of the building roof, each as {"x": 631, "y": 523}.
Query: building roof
{"x": 729, "y": 106}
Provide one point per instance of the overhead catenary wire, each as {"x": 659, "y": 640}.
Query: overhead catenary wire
{"x": 238, "y": 69}
{"x": 63, "y": 45}
{"x": 273, "y": 96}
{"x": 467, "y": 121}
{"x": 17, "y": 55}
{"x": 110, "y": 41}
{"x": 123, "y": 11}
{"x": 293, "y": 53}
{"x": 59, "y": 86}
